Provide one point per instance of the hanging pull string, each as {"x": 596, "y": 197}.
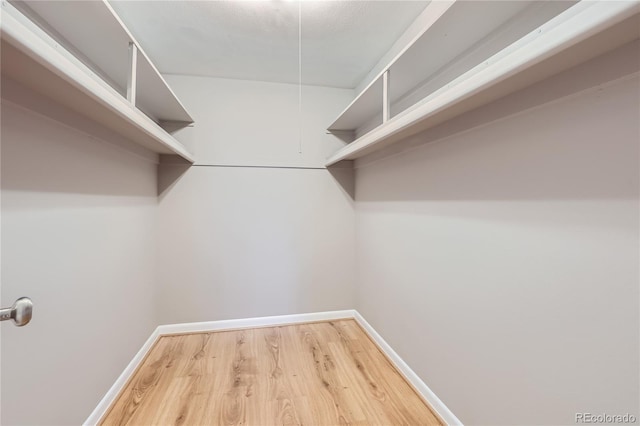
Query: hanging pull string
{"x": 300, "y": 76}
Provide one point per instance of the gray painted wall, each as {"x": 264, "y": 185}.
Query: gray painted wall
{"x": 252, "y": 241}
{"x": 79, "y": 238}
{"x": 501, "y": 262}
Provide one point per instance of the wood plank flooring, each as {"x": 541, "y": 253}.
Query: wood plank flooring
{"x": 325, "y": 373}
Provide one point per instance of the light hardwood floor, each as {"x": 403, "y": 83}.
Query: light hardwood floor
{"x": 325, "y": 373}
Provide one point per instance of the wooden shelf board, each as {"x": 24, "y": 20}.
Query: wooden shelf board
{"x": 578, "y": 34}
{"x": 463, "y": 25}
{"x": 35, "y": 61}
{"x": 440, "y": 42}
{"x": 101, "y": 38}
{"x": 445, "y": 52}
{"x": 362, "y": 109}
{"x": 351, "y": 117}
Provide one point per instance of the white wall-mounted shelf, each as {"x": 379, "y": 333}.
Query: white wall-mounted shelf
{"x": 86, "y": 65}
{"x": 433, "y": 87}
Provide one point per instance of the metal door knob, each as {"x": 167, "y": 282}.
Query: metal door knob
{"x": 20, "y": 312}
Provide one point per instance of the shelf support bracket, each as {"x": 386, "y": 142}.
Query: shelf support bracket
{"x": 131, "y": 77}
{"x": 386, "y": 105}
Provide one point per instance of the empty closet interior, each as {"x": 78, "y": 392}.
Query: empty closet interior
{"x": 463, "y": 174}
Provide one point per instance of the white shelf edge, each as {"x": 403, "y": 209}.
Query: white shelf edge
{"x": 148, "y": 60}
{"x": 437, "y": 9}
{"x": 541, "y": 44}
{"x": 34, "y": 45}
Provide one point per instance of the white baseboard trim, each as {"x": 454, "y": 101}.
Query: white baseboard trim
{"x": 120, "y": 383}
{"x": 421, "y": 387}
{"x": 195, "y": 327}
{"x": 234, "y": 324}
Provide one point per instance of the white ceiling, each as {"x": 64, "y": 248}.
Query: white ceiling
{"x": 258, "y": 40}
